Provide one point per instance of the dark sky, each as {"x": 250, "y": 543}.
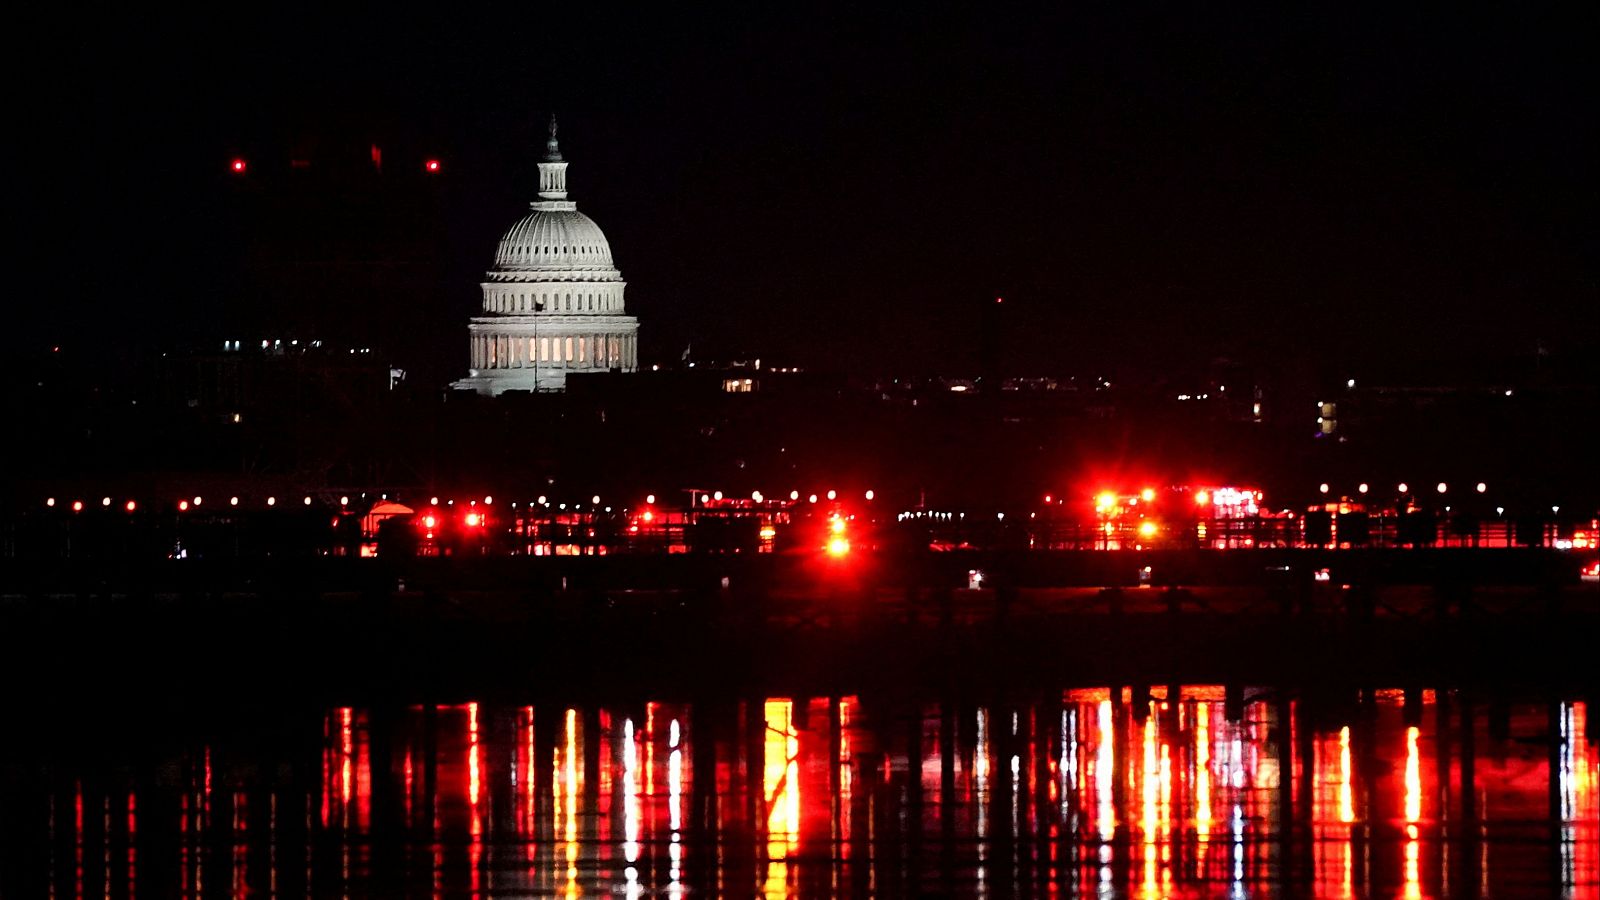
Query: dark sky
{"x": 844, "y": 189}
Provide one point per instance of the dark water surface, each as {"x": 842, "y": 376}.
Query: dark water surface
{"x": 1087, "y": 792}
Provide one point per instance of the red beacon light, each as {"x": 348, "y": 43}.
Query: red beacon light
{"x": 237, "y": 166}
{"x": 431, "y": 166}
{"x": 474, "y": 520}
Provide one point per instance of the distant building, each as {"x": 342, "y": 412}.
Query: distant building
{"x": 553, "y": 301}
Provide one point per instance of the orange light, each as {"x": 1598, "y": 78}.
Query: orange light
{"x": 1147, "y": 529}
{"x": 838, "y": 547}
{"x": 1202, "y": 497}
{"x": 1147, "y": 494}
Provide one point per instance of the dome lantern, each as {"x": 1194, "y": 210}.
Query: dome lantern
{"x": 552, "y": 170}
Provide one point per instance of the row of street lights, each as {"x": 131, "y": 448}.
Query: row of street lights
{"x": 1401, "y": 488}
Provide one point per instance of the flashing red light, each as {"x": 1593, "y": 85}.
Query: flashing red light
{"x": 1147, "y": 494}
{"x": 431, "y": 165}
{"x": 238, "y": 166}
{"x": 131, "y": 506}
{"x": 1105, "y": 501}
{"x": 1147, "y": 529}
{"x": 428, "y": 522}
{"x": 838, "y": 547}
{"x": 647, "y": 516}
{"x": 1202, "y": 497}
{"x": 474, "y": 520}
{"x": 183, "y": 506}
{"x": 77, "y": 506}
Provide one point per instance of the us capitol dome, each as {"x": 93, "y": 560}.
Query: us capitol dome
{"x": 552, "y": 304}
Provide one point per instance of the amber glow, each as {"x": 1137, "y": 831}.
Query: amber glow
{"x": 1413, "y": 799}
{"x": 1147, "y": 494}
{"x": 1413, "y": 778}
{"x": 781, "y": 788}
{"x": 1347, "y": 810}
{"x": 1105, "y": 501}
{"x": 1147, "y": 529}
{"x": 1202, "y": 497}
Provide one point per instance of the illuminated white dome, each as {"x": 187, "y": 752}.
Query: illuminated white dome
{"x": 552, "y": 304}
{"x": 548, "y": 240}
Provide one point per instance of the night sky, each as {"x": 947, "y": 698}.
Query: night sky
{"x": 1328, "y": 190}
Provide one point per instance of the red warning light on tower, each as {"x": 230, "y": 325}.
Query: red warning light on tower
{"x": 431, "y": 166}
{"x": 237, "y": 166}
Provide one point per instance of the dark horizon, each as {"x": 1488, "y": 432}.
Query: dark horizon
{"x": 1313, "y": 192}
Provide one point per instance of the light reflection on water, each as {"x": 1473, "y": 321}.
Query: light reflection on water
{"x": 1092, "y": 793}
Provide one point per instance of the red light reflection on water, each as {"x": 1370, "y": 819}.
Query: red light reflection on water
{"x": 1101, "y": 791}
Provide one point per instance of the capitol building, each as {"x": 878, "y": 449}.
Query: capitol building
{"x": 552, "y": 304}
